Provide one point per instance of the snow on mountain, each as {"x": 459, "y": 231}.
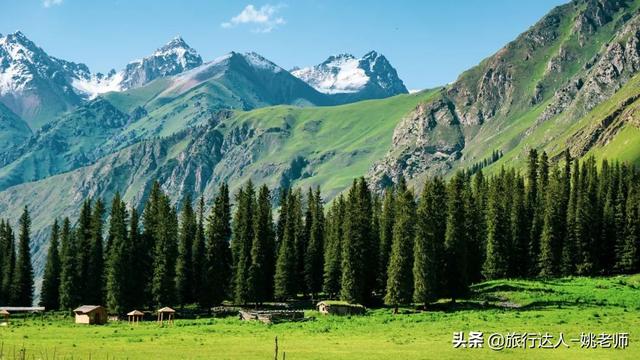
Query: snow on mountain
{"x": 22, "y": 63}
{"x": 34, "y": 85}
{"x": 217, "y": 67}
{"x": 95, "y": 84}
{"x": 259, "y": 61}
{"x": 173, "y": 58}
{"x": 346, "y": 74}
{"x": 337, "y": 74}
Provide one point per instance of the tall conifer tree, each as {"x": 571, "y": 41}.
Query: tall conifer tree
{"x": 218, "y": 253}
{"x": 456, "y": 274}
{"x": 50, "y": 295}
{"x": 23, "y": 280}
{"x": 184, "y": 265}
{"x": 400, "y": 275}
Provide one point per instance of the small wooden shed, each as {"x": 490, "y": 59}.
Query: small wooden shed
{"x": 340, "y": 308}
{"x": 91, "y": 314}
{"x": 5, "y": 314}
{"x": 166, "y": 313}
{"x": 135, "y": 316}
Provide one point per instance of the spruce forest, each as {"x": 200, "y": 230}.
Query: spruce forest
{"x": 398, "y": 248}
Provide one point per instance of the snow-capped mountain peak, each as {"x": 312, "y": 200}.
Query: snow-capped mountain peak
{"x": 261, "y": 62}
{"x": 346, "y": 74}
{"x": 338, "y": 74}
{"x": 173, "y": 58}
{"x": 35, "y": 85}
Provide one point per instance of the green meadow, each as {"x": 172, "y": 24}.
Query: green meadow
{"x": 569, "y": 305}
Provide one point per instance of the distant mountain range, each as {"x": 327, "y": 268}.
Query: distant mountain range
{"x": 37, "y": 86}
{"x": 570, "y": 82}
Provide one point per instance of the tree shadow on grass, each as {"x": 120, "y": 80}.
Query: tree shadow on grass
{"x": 509, "y": 287}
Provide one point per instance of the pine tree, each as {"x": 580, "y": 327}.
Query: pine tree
{"x": 373, "y": 249}
{"x": 455, "y": 241}
{"x": 627, "y": 256}
{"x": 69, "y": 291}
{"x": 386, "y": 235}
{"x": 519, "y": 234}
{"x": 400, "y": 276}
{"x": 333, "y": 248}
{"x": 532, "y": 212}
{"x": 136, "y": 292}
{"x": 95, "y": 267}
{"x": 262, "y": 250}
{"x": 83, "y": 241}
{"x": 496, "y": 263}
{"x": 23, "y": 280}
{"x": 608, "y": 192}
{"x": 9, "y": 262}
{"x": 218, "y": 254}
{"x": 282, "y": 216}
{"x": 356, "y": 237}
{"x": 184, "y": 264}
{"x": 285, "y": 278}
{"x": 569, "y": 247}
{"x": 241, "y": 242}
{"x": 431, "y": 222}
{"x": 620, "y": 219}
{"x": 163, "y": 286}
{"x": 118, "y": 292}
{"x": 553, "y": 225}
{"x": 587, "y": 219}
{"x": 475, "y": 229}
{"x": 50, "y": 295}
{"x": 199, "y": 256}
{"x": 300, "y": 236}
{"x": 145, "y": 247}
{"x": 314, "y": 254}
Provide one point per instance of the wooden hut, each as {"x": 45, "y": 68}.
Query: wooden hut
{"x": 166, "y": 313}
{"x": 340, "y": 308}
{"x": 91, "y": 314}
{"x": 272, "y": 316}
{"x": 135, "y": 316}
{"x": 5, "y": 314}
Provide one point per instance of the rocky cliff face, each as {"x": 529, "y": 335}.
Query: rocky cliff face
{"x": 606, "y": 73}
{"x": 429, "y": 139}
{"x": 562, "y": 66}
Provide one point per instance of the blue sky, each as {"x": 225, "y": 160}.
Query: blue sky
{"x": 428, "y": 42}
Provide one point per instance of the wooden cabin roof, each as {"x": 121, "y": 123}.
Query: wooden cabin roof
{"x": 85, "y": 309}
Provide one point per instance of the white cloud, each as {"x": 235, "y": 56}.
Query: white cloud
{"x": 50, "y": 3}
{"x": 265, "y": 18}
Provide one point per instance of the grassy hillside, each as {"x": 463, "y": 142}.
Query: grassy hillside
{"x": 568, "y": 305}
{"x": 550, "y": 89}
{"x": 13, "y": 130}
{"x": 336, "y": 144}
{"x": 610, "y": 131}
{"x": 283, "y": 145}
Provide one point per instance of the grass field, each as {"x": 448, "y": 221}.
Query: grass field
{"x": 570, "y": 306}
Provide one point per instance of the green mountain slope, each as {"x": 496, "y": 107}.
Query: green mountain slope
{"x": 162, "y": 108}
{"x": 280, "y": 146}
{"x": 527, "y": 95}
{"x": 13, "y": 130}
{"x": 69, "y": 142}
